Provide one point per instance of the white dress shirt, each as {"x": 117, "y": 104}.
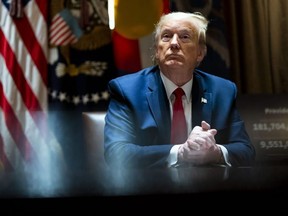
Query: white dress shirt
{"x": 187, "y": 105}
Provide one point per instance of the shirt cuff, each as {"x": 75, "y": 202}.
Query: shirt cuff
{"x": 173, "y": 156}
{"x": 225, "y": 155}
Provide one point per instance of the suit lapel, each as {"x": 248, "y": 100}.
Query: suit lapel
{"x": 201, "y": 102}
{"x": 159, "y": 104}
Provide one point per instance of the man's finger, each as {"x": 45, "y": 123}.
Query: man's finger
{"x": 205, "y": 126}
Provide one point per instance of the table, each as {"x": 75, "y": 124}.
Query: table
{"x": 264, "y": 186}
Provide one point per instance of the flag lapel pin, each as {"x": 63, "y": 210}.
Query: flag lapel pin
{"x": 203, "y": 100}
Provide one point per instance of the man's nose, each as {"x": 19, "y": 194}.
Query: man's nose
{"x": 174, "y": 42}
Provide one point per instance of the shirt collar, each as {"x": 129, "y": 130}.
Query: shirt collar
{"x": 170, "y": 87}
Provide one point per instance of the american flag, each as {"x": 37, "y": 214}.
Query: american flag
{"x": 64, "y": 29}
{"x": 25, "y": 138}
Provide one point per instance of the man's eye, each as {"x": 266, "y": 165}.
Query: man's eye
{"x": 185, "y": 36}
{"x": 165, "y": 37}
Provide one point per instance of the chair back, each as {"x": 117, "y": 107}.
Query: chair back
{"x": 93, "y": 126}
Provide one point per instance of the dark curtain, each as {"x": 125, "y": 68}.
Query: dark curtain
{"x": 257, "y": 35}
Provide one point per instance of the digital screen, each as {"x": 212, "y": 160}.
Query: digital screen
{"x": 266, "y": 120}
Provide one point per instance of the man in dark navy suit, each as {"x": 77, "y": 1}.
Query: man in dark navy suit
{"x": 139, "y": 118}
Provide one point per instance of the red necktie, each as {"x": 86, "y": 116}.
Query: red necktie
{"x": 178, "y": 126}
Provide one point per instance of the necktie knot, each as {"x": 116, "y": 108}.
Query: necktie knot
{"x": 178, "y": 93}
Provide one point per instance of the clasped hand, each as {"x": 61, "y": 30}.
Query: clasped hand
{"x": 200, "y": 148}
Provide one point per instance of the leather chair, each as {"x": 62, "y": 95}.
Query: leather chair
{"x": 93, "y": 126}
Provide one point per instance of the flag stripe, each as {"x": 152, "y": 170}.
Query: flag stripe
{"x": 30, "y": 99}
{"x": 43, "y": 12}
{"x": 37, "y": 14}
{"x": 60, "y": 32}
{"x": 15, "y": 128}
{"x": 61, "y": 35}
{"x": 56, "y": 26}
{"x": 32, "y": 74}
{"x": 57, "y": 37}
{"x": 28, "y": 37}
{"x": 24, "y": 131}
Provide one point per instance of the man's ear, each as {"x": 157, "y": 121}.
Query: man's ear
{"x": 156, "y": 56}
{"x": 201, "y": 54}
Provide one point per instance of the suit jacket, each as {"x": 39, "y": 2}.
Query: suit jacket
{"x": 137, "y": 128}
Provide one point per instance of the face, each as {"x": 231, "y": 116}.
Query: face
{"x": 178, "y": 45}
